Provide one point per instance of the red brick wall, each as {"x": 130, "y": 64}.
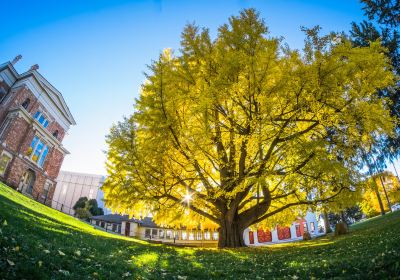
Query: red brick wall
{"x": 16, "y": 169}
{"x": 18, "y": 96}
{"x": 18, "y": 138}
{"x": 53, "y": 163}
{"x": 15, "y": 134}
{"x": 8, "y": 101}
{"x": 56, "y": 126}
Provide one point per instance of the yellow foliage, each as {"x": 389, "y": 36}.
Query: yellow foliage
{"x": 240, "y": 130}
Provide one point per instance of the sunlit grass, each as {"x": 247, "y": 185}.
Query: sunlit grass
{"x": 37, "y": 242}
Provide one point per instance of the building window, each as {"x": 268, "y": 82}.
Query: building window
{"x": 4, "y": 127}
{"x": 41, "y": 118}
{"x": 147, "y": 233}
{"x": 215, "y": 235}
{"x": 298, "y": 232}
{"x": 55, "y": 133}
{"x": 199, "y": 235}
{"x": 25, "y": 104}
{"x": 161, "y": 233}
{"x": 207, "y": 235}
{"x": 312, "y": 226}
{"x": 191, "y": 235}
{"x": 168, "y": 234}
{"x": 184, "y": 235}
{"x": 5, "y": 159}
{"x": 46, "y": 189}
{"x": 91, "y": 194}
{"x": 38, "y": 151}
{"x": 154, "y": 233}
{"x": 305, "y": 227}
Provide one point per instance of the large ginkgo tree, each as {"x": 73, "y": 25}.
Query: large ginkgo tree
{"x": 238, "y": 130}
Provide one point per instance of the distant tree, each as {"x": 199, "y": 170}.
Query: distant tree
{"x": 348, "y": 216}
{"x": 386, "y": 12}
{"x": 100, "y": 211}
{"x": 81, "y": 203}
{"x": 90, "y": 206}
{"x": 383, "y": 25}
{"x": 82, "y": 213}
{"x": 241, "y": 130}
{"x": 93, "y": 207}
{"x": 380, "y": 183}
{"x": 333, "y": 211}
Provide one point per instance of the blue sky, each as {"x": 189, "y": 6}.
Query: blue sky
{"x": 95, "y": 51}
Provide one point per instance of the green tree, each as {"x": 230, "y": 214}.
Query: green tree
{"x": 81, "y": 203}
{"x": 82, "y": 213}
{"x": 242, "y": 130}
{"x": 87, "y": 206}
{"x": 349, "y": 216}
{"x": 383, "y": 25}
{"x": 93, "y": 208}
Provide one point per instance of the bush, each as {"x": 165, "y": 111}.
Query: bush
{"x": 81, "y": 203}
{"x": 82, "y": 213}
{"x": 306, "y": 236}
{"x": 341, "y": 228}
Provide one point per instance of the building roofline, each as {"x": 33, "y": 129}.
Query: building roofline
{"x": 9, "y": 65}
{"x": 81, "y": 174}
{"x": 47, "y": 86}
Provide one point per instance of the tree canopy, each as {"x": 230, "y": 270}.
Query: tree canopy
{"x": 383, "y": 25}
{"x": 241, "y": 130}
{"x": 85, "y": 207}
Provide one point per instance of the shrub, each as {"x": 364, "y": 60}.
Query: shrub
{"x": 341, "y": 228}
{"x": 306, "y": 236}
{"x": 82, "y": 213}
{"x": 81, "y": 203}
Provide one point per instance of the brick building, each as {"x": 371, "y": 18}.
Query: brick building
{"x": 34, "y": 119}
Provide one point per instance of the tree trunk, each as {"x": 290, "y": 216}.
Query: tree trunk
{"x": 375, "y": 186}
{"x": 386, "y": 194}
{"x": 230, "y": 234}
{"x": 380, "y": 201}
{"x": 326, "y": 222}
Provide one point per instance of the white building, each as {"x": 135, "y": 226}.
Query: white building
{"x": 294, "y": 232}
{"x": 146, "y": 229}
{"x": 72, "y": 185}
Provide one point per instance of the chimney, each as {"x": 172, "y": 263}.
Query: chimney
{"x": 34, "y": 67}
{"x": 16, "y": 59}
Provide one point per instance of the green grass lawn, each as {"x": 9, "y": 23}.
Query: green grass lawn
{"x": 37, "y": 242}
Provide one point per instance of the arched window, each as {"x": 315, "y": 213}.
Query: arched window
{"x": 55, "y": 133}
{"x": 25, "y": 104}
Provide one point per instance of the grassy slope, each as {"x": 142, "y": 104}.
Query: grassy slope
{"x": 37, "y": 242}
